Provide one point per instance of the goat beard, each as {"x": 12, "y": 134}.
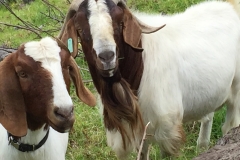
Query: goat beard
{"x": 121, "y": 106}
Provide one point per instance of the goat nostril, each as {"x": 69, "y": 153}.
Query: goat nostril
{"x": 58, "y": 113}
{"x": 63, "y": 113}
{"x": 106, "y": 56}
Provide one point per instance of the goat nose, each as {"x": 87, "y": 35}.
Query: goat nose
{"x": 106, "y": 56}
{"x": 63, "y": 113}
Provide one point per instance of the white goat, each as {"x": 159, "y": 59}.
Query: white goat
{"x": 35, "y": 105}
{"x": 190, "y": 69}
{"x": 194, "y": 62}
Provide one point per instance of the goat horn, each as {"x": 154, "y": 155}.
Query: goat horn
{"x": 71, "y": 12}
{"x": 146, "y": 28}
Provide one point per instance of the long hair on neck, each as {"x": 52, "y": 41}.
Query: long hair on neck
{"x": 120, "y": 104}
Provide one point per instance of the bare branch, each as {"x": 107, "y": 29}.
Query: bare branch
{"x": 31, "y": 27}
{"x": 22, "y": 27}
{"x": 52, "y": 12}
{"x": 61, "y": 13}
{"x": 10, "y": 10}
{"x": 142, "y": 142}
{"x": 51, "y": 17}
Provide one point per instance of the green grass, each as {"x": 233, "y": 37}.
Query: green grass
{"x": 87, "y": 140}
{"x": 30, "y": 13}
{"x": 161, "y": 6}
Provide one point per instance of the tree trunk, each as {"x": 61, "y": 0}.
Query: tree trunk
{"x": 5, "y": 51}
{"x": 227, "y": 148}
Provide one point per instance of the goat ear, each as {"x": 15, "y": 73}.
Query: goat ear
{"x": 131, "y": 31}
{"x": 69, "y": 37}
{"x": 82, "y": 92}
{"x": 133, "y": 28}
{"x": 12, "y": 106}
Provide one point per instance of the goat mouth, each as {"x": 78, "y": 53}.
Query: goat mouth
{"x": 108, "y": 73}
{"x": 62, "y": 127}
{"x": 106, "y": 69}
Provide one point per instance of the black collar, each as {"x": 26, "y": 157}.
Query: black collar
{"x": 26, "y": 147}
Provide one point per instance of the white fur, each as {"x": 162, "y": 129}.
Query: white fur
{"x": 191, "y": 68}
{"x": 236, "y": 4}
{"x": 102, "y": 33}
{"x": 45, "y": 51}
{"x": 54, "y": 148}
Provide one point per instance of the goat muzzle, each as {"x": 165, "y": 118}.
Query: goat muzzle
{"x": 62, "y": 119}
{"x": 106, "y": 68}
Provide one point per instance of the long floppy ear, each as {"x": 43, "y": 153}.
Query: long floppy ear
{"x": 82, "y": 92}
{"x": 133, "y": 28}
{"x": 12, "y": 106}
{"x": 69, "y": 36}
{"x": 131, "y": 31}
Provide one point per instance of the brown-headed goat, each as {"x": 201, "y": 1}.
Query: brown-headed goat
{"x": 182, "y": 72}
{"x": 36, "y": 111}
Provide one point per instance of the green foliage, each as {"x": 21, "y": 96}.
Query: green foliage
{"x": 87, "y": 140}
{"x": 161, "y": 6}
{"x": 30, "y": 13}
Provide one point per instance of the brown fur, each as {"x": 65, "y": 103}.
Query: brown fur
{"x": 26, "y": 92}
{"x": 120, "y": 104}
{"x": 175, "y": 143}
{"x": 31, "y": 87}
{"x": 118, "y": 93}
{"x": 71, "y": 69}
{"x": 12, "y": 113}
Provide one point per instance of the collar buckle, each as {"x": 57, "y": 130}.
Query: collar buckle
{"x": 14, "y": 142}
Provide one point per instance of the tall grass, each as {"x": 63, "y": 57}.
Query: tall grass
{"x": 87, "y": 140}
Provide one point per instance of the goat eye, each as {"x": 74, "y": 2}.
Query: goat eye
{"x": 22, "y": 74}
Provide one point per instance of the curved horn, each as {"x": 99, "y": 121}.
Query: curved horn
{"x": 146, "y": 28}
{"x": 71, "y": 12}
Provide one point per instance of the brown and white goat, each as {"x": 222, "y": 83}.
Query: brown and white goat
{"x": 183, "y": 72}
{"x": 36, "y": 111}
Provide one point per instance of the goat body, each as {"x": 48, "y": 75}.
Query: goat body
{"x": 34, "y": 89}
{"x": 187, "y": 70}
{"x": 191, "y": 68}
{"x": 194, "y": 59}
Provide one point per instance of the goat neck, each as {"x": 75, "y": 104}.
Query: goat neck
{"x": 32, "y": 141}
